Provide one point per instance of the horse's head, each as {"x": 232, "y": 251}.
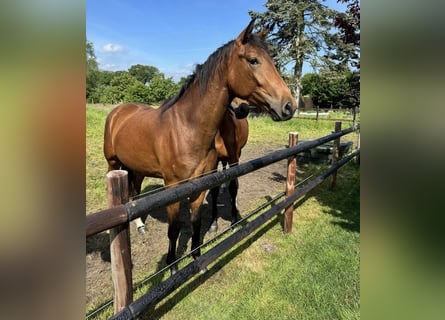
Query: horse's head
{"x": 253, "y": 76}
{"x": 240, "y": 107}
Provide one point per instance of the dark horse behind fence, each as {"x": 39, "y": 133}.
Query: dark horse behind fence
{"x": 230, "y": 139}
{"x": 176, "y": 142}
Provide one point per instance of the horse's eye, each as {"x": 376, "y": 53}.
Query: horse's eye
{"x": 253, "y": 60}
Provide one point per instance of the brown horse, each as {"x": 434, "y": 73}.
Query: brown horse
{"x": 176, "y": 142}
{"x": 230, "y": 139}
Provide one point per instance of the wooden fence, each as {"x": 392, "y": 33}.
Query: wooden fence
{"x": 314, "y": 113}
{"x": 120, "y": 213}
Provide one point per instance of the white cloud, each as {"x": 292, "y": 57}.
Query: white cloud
{"x": 109, "y": 67}
{"x": 180, "y": 71}
{"x": 110, "y": 47}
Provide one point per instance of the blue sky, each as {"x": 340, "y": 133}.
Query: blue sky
{"x": 173, "y": 36}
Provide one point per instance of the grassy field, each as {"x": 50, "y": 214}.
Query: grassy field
{"x": 312, "y": 273}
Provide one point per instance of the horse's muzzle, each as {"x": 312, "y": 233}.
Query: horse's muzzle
{"x": 287, "y": 111}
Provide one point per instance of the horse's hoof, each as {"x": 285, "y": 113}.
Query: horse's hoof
{"x": 213, "y": 228}
{"x": 173, "y": 270}
{"x": 203, "y": 270}
{"x": 142, "y": 229}
{"x": 234, "y": 226}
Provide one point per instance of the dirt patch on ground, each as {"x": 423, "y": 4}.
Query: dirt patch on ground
{"x": 149, "y": 250}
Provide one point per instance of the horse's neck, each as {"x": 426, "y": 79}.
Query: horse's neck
{"x": 204, "y": 113}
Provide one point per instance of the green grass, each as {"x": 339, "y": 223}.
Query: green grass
{"x": 312, "y": 273}
{"x": 264, "y": 130}
{"x": 96, "y": 166}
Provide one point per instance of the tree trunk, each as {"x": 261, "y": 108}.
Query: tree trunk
{"x": 298, "y": 68}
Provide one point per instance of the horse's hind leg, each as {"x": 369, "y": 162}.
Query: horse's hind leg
{"x": 214, "y": 225}
{"x": 134, "y": 186}
{"x": 233, "y": 191}
{"x": 113, "y": 163}
{"x": 137, "y": 183}
{"x": 195, "y": 217}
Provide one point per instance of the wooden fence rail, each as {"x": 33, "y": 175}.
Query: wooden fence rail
{"x": 110, "y": 218}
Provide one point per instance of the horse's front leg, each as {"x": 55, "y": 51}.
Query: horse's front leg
{"x": 174, "y": 226}
{"x": 233, "y": 192}
{"x": 195, "y": 217}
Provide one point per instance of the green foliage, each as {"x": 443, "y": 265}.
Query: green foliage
{"x": 124, "y": 87}
{"x": 140, "y": 83}
{"x": 341, "y": 91}
{"x": 300, "y": 33}
{"x": 111, "y": 94}
{"x": 182, "y": 81}
{"x": 143, "y": 73}
{"x": 137, "y": 92}
{"x": 116, "y": 92}
{"x": 92, "y": 72}
{"x": 161, "y": 88}
{"x": 348, "y": 24}
{"x": 118, "y": 87}
{"x": 105, "y": 77}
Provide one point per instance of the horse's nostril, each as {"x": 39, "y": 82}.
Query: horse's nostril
{"x": 287, "y": 110}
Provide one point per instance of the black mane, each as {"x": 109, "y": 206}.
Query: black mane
{"x": 216, "y": 62}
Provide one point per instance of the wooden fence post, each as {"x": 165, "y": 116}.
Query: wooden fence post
{"x": 290, "y": 185}
{"x": 354, "y": 115}
{"x": 335, "y": 154}
{"x": 358, "y": 148}
{"x": 120, "y": 250}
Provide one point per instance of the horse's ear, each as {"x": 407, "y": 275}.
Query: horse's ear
{"x": 263, "y": 34}
{"x": 244, "y": 36}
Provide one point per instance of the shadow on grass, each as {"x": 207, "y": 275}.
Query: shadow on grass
{"x": 99, "y": 243}
{"x": 342, "y": 202}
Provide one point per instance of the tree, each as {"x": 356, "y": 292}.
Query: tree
{"x": 137, "y": 92}
{"x": 143, "y": 73}
{"x": 317, "y": 88}
{"x": 92, "y": 72}
{"x": 140, "y": 83}
{"x": 161, "y": 88}
{"x": 182, "y": 81}
{"x": 117, "y": 90}
{"x": 105, "y": 77}
{"x": 301, "y": 31}
{"x": 326, "y": 92}
{"x": 348, "y": 24}
{"x": 352, "y": 95}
